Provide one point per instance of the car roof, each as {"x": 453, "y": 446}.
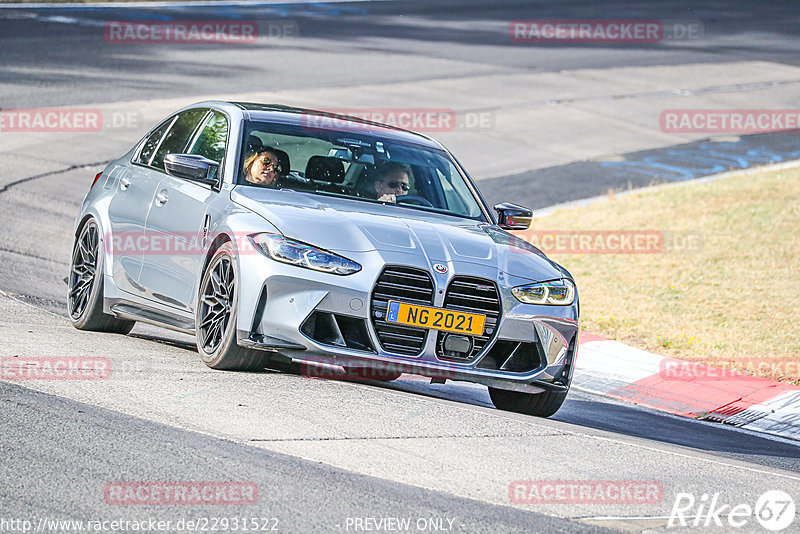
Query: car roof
{"x": 302, "y": 117}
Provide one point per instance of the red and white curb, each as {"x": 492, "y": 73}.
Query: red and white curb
{"x": 685, "y": 388}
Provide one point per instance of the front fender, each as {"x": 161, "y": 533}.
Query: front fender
{"x": 235, "y": 224}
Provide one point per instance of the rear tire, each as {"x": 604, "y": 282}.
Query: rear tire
{"x": 542, "y": 404}
{"x": 85, "y": 294}
{"x": 215, "y": 317}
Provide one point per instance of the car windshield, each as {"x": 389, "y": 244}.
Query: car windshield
{"x": 358, "y": 165}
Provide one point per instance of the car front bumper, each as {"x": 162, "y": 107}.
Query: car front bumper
{"x": 277, "y": 301}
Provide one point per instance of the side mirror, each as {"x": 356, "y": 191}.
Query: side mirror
{"x": 192, "y": 167}
{"x": 513, "y": 217}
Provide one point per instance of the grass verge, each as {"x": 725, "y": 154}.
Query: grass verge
{"x": 732, "y": 302}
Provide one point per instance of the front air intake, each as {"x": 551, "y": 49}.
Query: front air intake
{"x": 404, "y": 284}
{"x": 472, "y": 295}
{"x": 337, "y": 330}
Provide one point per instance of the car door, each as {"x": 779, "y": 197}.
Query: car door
{"x": 179, "y": 219}
{"x": 135, "y": 188}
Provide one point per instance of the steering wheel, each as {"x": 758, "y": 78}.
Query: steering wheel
{"x": 415, "y": 200}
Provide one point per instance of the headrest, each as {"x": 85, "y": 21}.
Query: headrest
{"x": 283, "y": 159}
{"x": 254, "y": 143}
{"x": 325, "y": 169}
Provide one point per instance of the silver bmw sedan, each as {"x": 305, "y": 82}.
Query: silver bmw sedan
{"x": 273, "y": 233}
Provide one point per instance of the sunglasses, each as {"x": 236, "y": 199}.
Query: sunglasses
{"x": 394, "y": 184}
{"x": 268, "y": 163}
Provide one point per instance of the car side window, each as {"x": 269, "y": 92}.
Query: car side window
{"x": 152, "y": 142}
{"x": 213, "y": 137}
{"x": 178, "y": 136}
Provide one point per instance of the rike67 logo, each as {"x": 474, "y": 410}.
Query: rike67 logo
{"x": 774, "y": 510}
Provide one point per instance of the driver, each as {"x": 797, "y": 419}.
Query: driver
{"x": 393, "y": 180}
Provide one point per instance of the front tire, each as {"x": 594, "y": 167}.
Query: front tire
{"x": 85, "y": 295}
{"x": 215, "y": 318}
{"x": 542, "y": 404}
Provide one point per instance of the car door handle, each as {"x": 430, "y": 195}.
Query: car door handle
{"x": 161, "y": 198}
{"x": 124, "y": 183}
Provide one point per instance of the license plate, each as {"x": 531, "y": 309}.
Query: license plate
{"x": 435, "y": 318}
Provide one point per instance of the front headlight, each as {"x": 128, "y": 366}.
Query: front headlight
{"x": 293, "y": 252}
{"x": 558, "y": 292}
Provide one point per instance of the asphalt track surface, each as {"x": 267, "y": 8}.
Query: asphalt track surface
{"x": 383, "y": 42}
{"x": 325, "y": 451}
{"x": 288, "y": 487}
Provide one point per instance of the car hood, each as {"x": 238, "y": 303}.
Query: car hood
{"x": 344, "y": 225}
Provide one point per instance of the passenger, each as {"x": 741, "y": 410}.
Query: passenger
{"x": 393, "y": 180}
{"x": 262, "y": 167}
